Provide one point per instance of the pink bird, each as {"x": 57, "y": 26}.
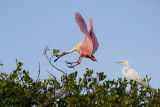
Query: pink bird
{"x": 88, "y": 46}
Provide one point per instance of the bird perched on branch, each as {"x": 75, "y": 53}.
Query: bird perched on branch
{"x": 133, "y": 75}
{"x": 88, "y": 46}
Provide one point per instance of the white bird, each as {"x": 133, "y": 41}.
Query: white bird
{"x": 133, "y": 75}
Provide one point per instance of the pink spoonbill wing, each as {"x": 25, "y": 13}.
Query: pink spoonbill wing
{"x": 81, "y": 23}
{"x": 93, "y": 36}
{"x": 87, "y": 45}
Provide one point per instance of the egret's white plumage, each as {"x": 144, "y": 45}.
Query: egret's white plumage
{"x": 133, "y": 75}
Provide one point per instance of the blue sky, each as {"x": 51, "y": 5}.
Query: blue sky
{"x": 125, "y": 29}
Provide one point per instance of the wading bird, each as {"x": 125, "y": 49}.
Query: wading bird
{"x": 88, "y": 46}
{"x": 133, "y": 75}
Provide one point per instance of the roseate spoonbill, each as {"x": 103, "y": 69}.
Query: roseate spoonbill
{"x": 133, "y": 75}
{"x": 88, "y": 46}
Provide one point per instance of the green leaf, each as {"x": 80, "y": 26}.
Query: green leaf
{"x": 49, "y": 79}
{"x": 80, "y": 79}
{"x": 48, "y": 95}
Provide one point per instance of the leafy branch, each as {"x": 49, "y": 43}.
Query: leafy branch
{"x": 19, "y": 89}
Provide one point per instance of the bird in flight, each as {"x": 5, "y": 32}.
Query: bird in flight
{"x": 88, "y": 46}
{"x": 133, "y": 75}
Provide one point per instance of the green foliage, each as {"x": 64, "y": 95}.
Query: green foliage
{"x": 55, "y": 52}
{"x": 19, "y": 89}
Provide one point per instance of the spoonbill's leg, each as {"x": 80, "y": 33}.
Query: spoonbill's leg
{"x": 73, "y": 62}
{"x": 78, "y": 62}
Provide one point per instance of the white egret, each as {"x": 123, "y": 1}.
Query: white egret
{"x": 133, "y": 75}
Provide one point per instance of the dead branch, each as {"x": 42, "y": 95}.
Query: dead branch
{"x": 52, "y": 75}
{"x": 38, "y": 73}
{"x": 49, "y": 60}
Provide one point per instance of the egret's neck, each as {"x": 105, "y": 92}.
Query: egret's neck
{"x": 125, "y": 69}
{"x": 127, "y": 66}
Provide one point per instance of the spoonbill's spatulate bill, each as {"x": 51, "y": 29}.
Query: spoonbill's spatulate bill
{"x": 88, "y": 46}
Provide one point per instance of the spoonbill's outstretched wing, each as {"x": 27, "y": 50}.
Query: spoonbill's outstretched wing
{"x": 93, "y": 36}
{"x": 81, "y": 23}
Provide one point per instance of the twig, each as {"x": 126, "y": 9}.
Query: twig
{"x": 52, "y": 75}
{"x": 38, "y": 73}
{"x": 49, "y": 59}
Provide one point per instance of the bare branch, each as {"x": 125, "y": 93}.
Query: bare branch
{"x": 52, "y": 75}
{"x": 49, "y": 59}
{"x": 38, "y": 73}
